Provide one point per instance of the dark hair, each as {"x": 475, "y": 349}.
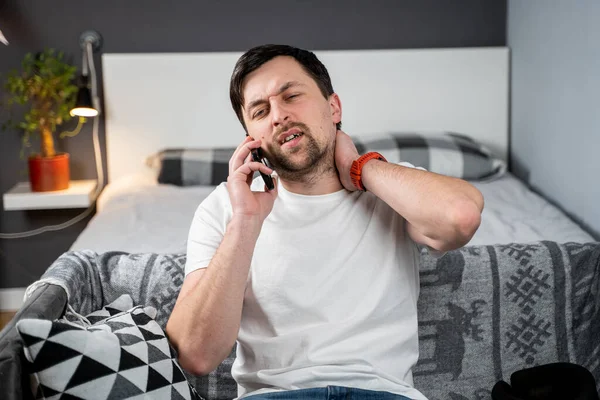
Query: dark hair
{"x": 257, "y": 56}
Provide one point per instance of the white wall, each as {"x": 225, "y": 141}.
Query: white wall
{"x": 555, "y": 101}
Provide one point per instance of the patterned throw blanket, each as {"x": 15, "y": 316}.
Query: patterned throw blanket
{"x": 484, "y": 311}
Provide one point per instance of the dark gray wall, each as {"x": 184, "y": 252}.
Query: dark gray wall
{"x": 555, "y": 102}
{"x": 191, "y": 26}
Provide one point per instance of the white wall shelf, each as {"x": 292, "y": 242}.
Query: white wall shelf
{"x": 80, "y": 194}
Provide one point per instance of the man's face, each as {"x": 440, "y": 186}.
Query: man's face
{"x": 284, "y": 108}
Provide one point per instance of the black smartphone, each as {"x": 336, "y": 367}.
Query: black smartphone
{"x": 257, "y": 156}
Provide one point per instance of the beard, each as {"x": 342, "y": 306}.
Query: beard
{"x": 316, "y": 159}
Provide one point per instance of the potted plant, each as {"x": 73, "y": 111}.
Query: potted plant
{"x": 45, "y": 90}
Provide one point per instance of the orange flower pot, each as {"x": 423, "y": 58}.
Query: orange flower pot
{"x": 49, "y": 173}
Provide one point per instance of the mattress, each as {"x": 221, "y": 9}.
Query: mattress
{"x": 137, "y": 215}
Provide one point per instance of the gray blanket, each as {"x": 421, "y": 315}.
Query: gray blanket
{"x": 484, "y": 311}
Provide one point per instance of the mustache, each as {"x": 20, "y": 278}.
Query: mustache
{"x": 282, "y": 128}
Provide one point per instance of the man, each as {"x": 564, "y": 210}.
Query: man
{"x": 316, "y": 280}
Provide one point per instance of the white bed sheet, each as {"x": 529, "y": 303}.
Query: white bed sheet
{"x": 137, "y": 215}
{"x": 514, "y": 213}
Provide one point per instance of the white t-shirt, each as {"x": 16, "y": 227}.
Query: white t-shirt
{"x": 331, "y": 296}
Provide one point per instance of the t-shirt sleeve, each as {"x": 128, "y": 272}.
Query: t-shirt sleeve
{"x": 208, "y": 229}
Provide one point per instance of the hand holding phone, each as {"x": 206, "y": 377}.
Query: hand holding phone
{"x": 258, "y": 157}
{"x": 250, "y": 205}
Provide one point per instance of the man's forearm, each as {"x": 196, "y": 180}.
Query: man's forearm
{"x": 204, "y": 323}
{"x": 444, "y": 210}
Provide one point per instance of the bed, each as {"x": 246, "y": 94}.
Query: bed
{"x": 180, "y": 100}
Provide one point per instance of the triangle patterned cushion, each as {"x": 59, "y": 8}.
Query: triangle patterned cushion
{"x": 122, "y": 303}
{"x": 126, "y": 355}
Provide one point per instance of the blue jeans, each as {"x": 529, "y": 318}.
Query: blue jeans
{"x": 328, "y": 393}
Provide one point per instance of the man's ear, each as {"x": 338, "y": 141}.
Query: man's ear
{"x": 335, "y": 106}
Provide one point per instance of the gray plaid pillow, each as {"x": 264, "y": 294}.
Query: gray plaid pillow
{"x": 191, "y": 167}
{"x": 445, "y": 153}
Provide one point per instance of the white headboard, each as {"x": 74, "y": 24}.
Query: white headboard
{"x": 159, "y": 100}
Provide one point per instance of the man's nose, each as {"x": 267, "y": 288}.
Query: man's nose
{"x": 279, "y": 113}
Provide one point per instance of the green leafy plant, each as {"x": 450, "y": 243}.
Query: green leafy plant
{"x": 45, "y": 91}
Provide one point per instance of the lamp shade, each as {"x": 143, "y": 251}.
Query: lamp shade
{"x": 3, "y": 39}
{"x": 84, "y": 106}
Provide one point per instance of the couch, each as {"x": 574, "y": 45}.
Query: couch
{"x": 485, "y": 312}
